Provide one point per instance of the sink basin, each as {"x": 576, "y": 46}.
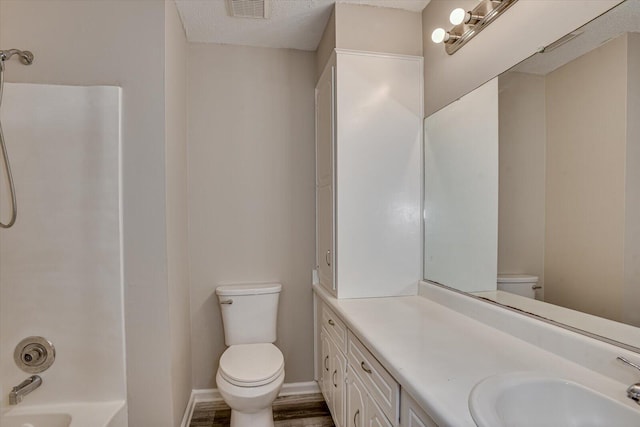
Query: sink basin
{"x": 533, "y": 400}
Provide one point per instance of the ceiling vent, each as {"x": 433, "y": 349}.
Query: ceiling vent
{"x": 258, "y": 9}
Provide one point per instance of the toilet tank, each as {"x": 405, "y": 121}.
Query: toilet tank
{"x": 249, "y": 312}
{"x": 519, "y": 284}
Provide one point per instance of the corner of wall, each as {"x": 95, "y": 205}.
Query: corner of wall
{"x": 175, "y": 98}
{"x": 327, "y": 43}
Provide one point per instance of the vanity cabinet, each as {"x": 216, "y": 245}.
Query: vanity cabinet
{"x": 379, "y": 383}
{"x": 362, "y": 410}
{"x": 357, "y": 388}
{"x": 332, "y": 380}
{"x": 369, "y": 113}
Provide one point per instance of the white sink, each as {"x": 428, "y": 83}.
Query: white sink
{"x": 533, "y": 400}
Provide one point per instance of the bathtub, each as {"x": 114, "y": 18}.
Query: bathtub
{"x": 103, "y": 414}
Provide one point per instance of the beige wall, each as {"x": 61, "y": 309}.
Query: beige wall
{"x": 118, "y": 43}
{"x": 371, "y": 29}
{"x": 251, "y": 192}
{"x": 522, "y": 175}
{"x": 516, "y": 35}
{"x": 631, "y": 314}
{"x": 378, "y": 29}
{"x": 176, "y": 209}
{"x": 585, "y": 174}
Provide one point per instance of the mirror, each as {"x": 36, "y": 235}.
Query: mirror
{"x": 567, "y": 183}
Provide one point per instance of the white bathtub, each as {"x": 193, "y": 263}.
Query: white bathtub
{"x": 103, "y": 414}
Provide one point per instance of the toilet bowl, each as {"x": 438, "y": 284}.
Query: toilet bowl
{"x": 249, "y": 379}
{"x": 251, "y": 370}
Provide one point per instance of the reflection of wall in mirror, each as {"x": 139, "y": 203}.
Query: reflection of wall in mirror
{"x": 632, "y": 214}
{"x": 575, "y": 181}
{"x": 461, "y": 191}
{"x": 521, "y": 171}
{"x": 520, "y": 32}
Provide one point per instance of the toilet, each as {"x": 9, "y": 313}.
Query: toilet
{"x": 519, "y": 284}
{"x": 251, "y": 370}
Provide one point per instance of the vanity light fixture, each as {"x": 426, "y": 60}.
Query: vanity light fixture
{"x": 469, "y": 23}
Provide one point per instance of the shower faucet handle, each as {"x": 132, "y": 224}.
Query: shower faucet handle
{"x": 628, "y": 362}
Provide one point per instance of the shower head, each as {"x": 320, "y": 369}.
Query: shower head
{"x": 26, "y": 57}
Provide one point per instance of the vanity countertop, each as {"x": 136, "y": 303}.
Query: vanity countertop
{"x": 438, "y": 354}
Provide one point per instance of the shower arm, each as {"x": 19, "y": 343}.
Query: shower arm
{"x": 26, "y": 57}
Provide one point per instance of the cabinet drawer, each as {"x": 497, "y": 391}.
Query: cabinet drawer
{"x": 334, "y": 327}
{"x": 384, "y": 390}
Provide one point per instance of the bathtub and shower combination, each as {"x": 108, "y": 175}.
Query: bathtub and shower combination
{"x": 61, "y": 251}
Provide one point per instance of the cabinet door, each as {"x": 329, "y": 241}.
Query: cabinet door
{"x": 356, "y": 400}
{"x": 378, "y": 175}
{"x": 325, "y": 375}
{"x": 338, "y": 377}
{"x": 325, "y": 236}
{"x": 325, "y": 127}
{"x": 375, "y": 416}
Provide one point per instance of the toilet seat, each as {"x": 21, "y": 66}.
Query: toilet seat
{"x": 251, "y": 365}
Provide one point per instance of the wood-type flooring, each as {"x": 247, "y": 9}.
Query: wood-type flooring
{"x": 308, "y": 410}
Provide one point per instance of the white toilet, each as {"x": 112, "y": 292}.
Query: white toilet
{"x": 251, "y": 370}
{"x": 519, "y": 284}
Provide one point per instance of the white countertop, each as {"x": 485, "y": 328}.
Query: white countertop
{"x": 438, "y": 354}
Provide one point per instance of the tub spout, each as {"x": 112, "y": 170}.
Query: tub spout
{"x": 24, "y": 388}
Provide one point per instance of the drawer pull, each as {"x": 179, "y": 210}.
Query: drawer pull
{"x": 333, "y": 378}
{"x": 331, "y": 322}
{"x": 355, "y": 416}
{"x": 326, "y": 258}
{"x": 364, "y": 367}
{"x": 326, "y": 359}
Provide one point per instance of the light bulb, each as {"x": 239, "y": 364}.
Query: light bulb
{"x": 439, "y": 35}
{"x": 458, "y": 16}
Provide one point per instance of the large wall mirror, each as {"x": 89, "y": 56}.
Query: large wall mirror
{"x": 535, "y": 176}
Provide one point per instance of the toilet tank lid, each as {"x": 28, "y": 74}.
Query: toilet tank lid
{"x": 517, "y": 278}
{"x": 249, "y": 289}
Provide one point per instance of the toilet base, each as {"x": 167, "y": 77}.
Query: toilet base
{"x": 250, "y": 406}
{"x": 262, "y": 418}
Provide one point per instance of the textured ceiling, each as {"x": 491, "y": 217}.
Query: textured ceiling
{"x": 622, "y": 19}
{"x": 295, "y": 24}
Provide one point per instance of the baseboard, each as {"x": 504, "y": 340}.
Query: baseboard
{"x": 213, "y": 395}
{"x": 188, "y": 412}
{"x": 290, "y": 389}
{"x": 207, "y": 395}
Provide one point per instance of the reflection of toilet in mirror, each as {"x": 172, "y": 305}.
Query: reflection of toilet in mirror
{"x": 519, "y": 284}
{"x": 251, "y": 370}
